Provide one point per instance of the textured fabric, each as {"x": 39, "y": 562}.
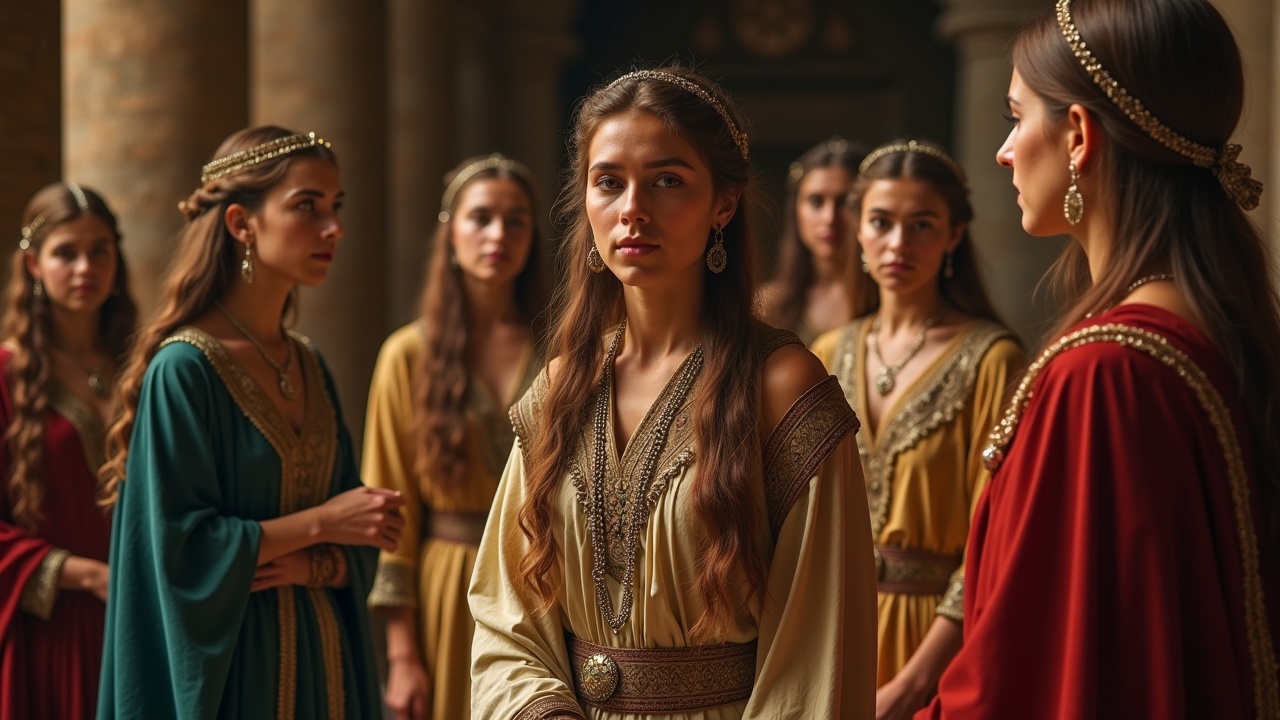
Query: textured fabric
{"x": 1105, "y": 575}
{"x": 185, "y": 637}
{"x": 426, "y": 573}
{"x": 927, "y": 457}
{"x": 816, "y": 631}
{"x": 49, "y": 668}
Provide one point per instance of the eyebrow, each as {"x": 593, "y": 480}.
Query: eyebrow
{"x": 651, "y": 165}
{"x": 1010, "y": 101}
{"x": 311, "y": 192}
{"x": 916, "y": 214}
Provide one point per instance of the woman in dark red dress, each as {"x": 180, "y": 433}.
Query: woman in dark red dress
{"x": 1122, "y": 561}
{"x": 67, "y": 324}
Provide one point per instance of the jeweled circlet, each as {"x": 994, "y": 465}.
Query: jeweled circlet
{"x": 494, "y": 160}
{"x": 258, "y": 153}
{"x": 739, "y": 136}
{"x": 1234, "y": 176}
{"x": 913, "y": 146}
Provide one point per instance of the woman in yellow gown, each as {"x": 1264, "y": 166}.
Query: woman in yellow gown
{"x": 437, "y": 427}
{"x": 925, "y": 364}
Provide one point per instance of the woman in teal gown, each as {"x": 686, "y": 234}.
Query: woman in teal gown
{"x": 244, "y": 545}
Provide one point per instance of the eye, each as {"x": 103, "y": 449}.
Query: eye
{"x": 923, "y": 225}
{"x": 608, "y": 182}
{"x": 1012, "y": 119}
{"x": 516, "y": 223}
{"x": 308, "y": 205}
{"x": 668, "y": 181}
{"x": 815, "y": 201}
{"x": 878, "y": 223}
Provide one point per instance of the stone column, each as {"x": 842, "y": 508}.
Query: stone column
{"x": 422, "y": 131}
{"x": 30, "y": 109}
{"x": 1012, "y": 262}
{"x": 151, "y": 88}
{"x": 318, "y": 65}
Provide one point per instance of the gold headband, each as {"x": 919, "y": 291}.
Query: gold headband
{"x": 495, "y": 160}
{"x": 258, "y": 153}
{"x": 911, "y": 146}
{"x": 739, "y": 137}
{"x": 1234, "y": 176}
{"x": 28, "y": 230}
{"x": 795, "y": 171}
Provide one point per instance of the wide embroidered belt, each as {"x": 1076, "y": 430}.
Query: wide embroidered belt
{"x": 459, "y": 527}
{"x": 913, "y": 572}
{"x": 661, "y": 680}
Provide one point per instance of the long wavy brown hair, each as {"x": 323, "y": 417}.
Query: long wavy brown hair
{"x": 727, "y": 400}
{"x": 794, "y": 260}
{"x": 27, "y": 326}
{"x": 441, "y": 387}
{"x": 204, "y": 267}
{"x": 1180, "y": 59}
{"x": 964, "y": 290}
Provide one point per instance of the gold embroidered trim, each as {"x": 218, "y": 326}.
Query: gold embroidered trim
{"x": 550, "y": 706}
{"x": 40, "y": 593}
{"x": 811, "y": 428}
{"x": 306, "y": 471}
{"x": 772, "y": 338}
{"x": 524, "y": 413}
{"x": 1266, "y": 684}
{"x": 932, "y": 403}
{"x": 88, "y": 425}
{"x": 395, "y": 584}
{"x": 493, "y": 422}
{"x": 952, "y": 605}
{"x": 331, "y": 648}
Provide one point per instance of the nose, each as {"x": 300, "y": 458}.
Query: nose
{"x": 497, "y": 229}
{"x": 1004, "y": 156}
{"x": 633, "y": 207}
{"x": 333, "y": 229}
{"x": 82, "y": 263}
{"x": 895, "y": 238}
{"x": 830, "y": 211}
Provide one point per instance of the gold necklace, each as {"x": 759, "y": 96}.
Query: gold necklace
{"x": 887, "y": 374}
{"x": 286, "y": 386}
{"x": 98, "y": 384}
{"x": 1144, "y": 280}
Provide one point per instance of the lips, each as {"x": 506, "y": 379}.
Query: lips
{"x": 635, "y": 247}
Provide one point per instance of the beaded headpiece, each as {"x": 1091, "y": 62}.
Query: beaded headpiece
{"x": 738, "y": 136}
{"x": 795, "y": 171}
{"x": 82, "y": 202}
{"x": 495, "y": 160}
{"x": 1234, "y": 176}
{"x": 258, "y": 153}
{"x": 912, "y": 146}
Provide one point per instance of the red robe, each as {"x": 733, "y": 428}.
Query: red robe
{"x": 1104, "y": 576}
{"x": 49, "y": 669}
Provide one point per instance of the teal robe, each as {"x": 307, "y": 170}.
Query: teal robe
{"x": 209, "y": 458}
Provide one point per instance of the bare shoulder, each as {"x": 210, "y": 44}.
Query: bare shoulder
{"x": 789, "y": 372}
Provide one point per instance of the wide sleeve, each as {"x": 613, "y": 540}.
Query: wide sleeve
{"x": 519, "y": 663}
{"x": 181, "y": 569}
{"x": 817, "y": 645}
{"x": 1102, "y": 557}
{"x": 999, "y": 367}
{"x": 388, "y": 462}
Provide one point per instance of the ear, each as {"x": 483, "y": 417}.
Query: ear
{"x": 236, "y": 218}
{"x": 726, "y": 206}
{"x": 957, "y": 234}
{"x": 1083, "y": 136}
{"x": 29, "y": 259}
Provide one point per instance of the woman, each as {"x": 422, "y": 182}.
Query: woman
{"x": 809, "y": 296}
{"x": 67, "y": 326}
{"x": 675, "y": 534}
{"x": 437, "y": 429}
{"x": 244, "y": 544}
{"x": 1122, "y": 559}
{"x": 925, "y": 365}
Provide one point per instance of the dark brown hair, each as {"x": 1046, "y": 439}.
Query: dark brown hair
{"x": 794, "y": 260}
{"x": 965, "y": 289}
{"x": 1180, "y": 59}
{"x": 440, "y": 390}
{"x": 727, "y": 403}
{"x": 27, "y": 325}
{"x": 204, "y": 267}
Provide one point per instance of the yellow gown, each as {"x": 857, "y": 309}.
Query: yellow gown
{"x": 815, "y": 634}
{"x": 428, "y": 572}
{"x": 923, "y": 464}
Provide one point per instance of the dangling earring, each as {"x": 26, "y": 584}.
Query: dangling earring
{"x": 717, "y": 258}
{"x": 948, "y": 269}
{"x": 37, "y": 288}
{"x": 866, "y": 266}
{"x": 594, "y": 261}
{"x": 246, "y": 265}
{"x": 1073, "y": 203}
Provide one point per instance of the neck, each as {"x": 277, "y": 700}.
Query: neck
{"x": 828, "y": 270}
{"x": 663, "y": 321}
{"x": 259, "y": 307}
{"x": 75, "y": 333}
{"x": 899, "y": 311}
{"x": 489, "y": 304}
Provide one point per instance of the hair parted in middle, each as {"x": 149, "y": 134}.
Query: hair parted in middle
{"x": 930, "y": 164}
{"x": 206, "y": 262}
{"x": 726, "y": 403}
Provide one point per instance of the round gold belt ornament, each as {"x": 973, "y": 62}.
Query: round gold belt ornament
{"x": 599, "y": 677}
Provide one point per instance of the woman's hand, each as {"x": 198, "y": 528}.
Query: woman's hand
{"x": 900, "y": 698}
{"x": 408, "y": 689}
{"x": 363, "y": 516}
{"x": 291, "y": 569}
{"x": 84, "y": 574}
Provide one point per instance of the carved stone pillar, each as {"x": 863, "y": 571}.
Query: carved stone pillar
{"x": 151, "y": 88}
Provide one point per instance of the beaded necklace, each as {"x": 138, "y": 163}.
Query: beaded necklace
{"x": 637, "y": 488}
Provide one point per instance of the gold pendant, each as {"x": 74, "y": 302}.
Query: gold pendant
{"x": 286, "y": 387}
{"x": 100, "y": 388}
{"x": 884, "y": 382}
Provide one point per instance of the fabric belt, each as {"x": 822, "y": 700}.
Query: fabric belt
{"x": 661, "y": 680}
{"x": 914, "y": 572}
{"x": 459, "y": 527}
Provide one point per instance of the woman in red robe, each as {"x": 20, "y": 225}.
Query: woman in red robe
{"x": 1122, "y": 561}
{"x": 68, "y": 321}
